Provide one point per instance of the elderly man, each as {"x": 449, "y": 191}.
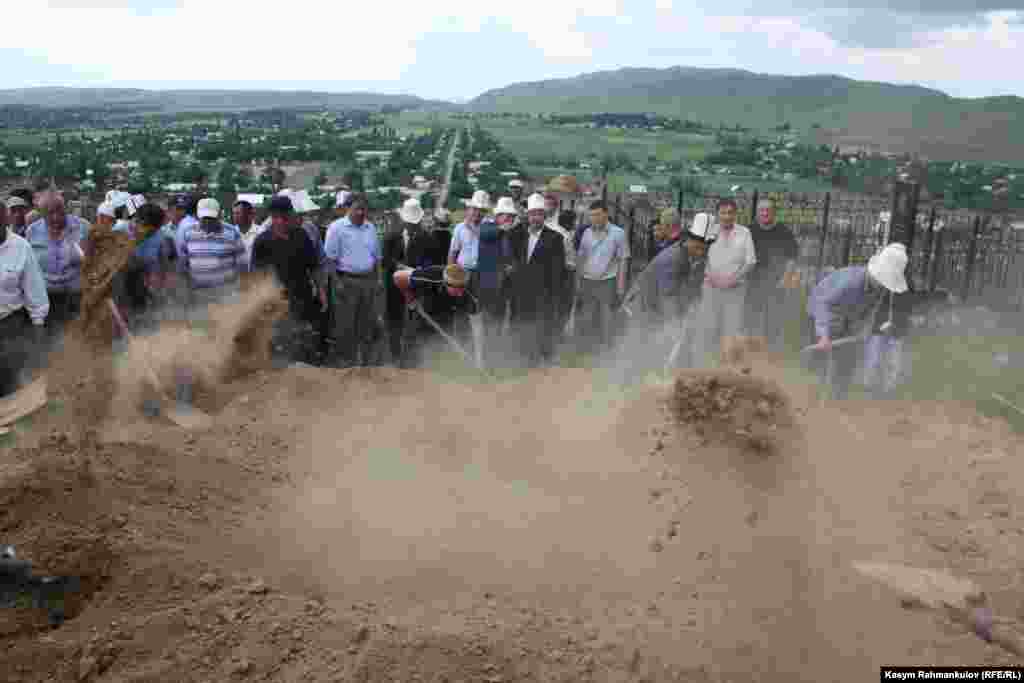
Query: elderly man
{"x": 504, "y": 307}
{"x": 465, "y": 251}
{"x": 58, "y": 240}
{"x": 554, "y": 220}
{"x": 24, "y": 306}
{"x": 353, "y": 254}
{"x": 729, "y": 262}
{"x": 847, "y": 303}
{"x": 777, "y": 251}
{"x": 295, "y": 261}
{"x": 539, "y": 284}
{"x": 17, "y": 209}
{"x": 601, "y": 267}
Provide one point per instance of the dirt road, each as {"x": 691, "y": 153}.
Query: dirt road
{"x": 386, "y": 525}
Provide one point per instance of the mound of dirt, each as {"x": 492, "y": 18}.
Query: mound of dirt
{"x": 734, "y": 408}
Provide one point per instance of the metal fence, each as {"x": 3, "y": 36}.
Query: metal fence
{"x": 977, "y": 256}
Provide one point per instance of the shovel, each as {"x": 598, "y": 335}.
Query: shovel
{"x": 962, "y": 601}
{"x": 192, "y": 420}
{"x": 415, "y": 305}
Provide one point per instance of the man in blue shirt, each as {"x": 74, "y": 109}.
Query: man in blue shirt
{"x": 353, "y": 253}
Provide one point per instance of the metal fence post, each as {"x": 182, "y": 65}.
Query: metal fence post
{"x": 679, "y": 203}
{"x": 630, "y": 235}
{"x": 926, "y": 256}
{"x": 753, "y": 208}
{"x": 936, "y": 260}
{"x": 824, "y": 232}
{"x": 972, "y": 254}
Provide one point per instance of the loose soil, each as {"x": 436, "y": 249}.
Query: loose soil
{"x": 385, "y": 525}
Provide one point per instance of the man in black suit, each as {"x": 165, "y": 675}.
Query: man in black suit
{"x": 540, "y": 252}
{"x": 409, "y": 247}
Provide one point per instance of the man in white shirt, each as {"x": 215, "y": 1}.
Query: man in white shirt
{"x": 242, "y": 213}
{"x": 24, "y": 305}
{"x": 730, "y": 260}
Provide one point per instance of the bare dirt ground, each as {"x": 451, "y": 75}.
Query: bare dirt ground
{"x": 384, "y": 525}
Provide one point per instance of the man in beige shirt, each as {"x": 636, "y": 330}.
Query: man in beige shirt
{"x": 730, "y": 259}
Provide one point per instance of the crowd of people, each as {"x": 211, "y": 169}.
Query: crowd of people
{"x": 514, "y": 280}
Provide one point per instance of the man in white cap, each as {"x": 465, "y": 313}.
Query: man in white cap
{"x": 464, "y": 251}
{"x": 501, "y": 305}
{"x": 539, "y": 285}
{"x": 213, "y": 260}
{"x": 846, "y": 303}
{"x": 408, "y": 247}
{"x": 17, "y": 209}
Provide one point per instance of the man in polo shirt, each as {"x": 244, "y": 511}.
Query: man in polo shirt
{"x": 730, "y": 260}
{"x": 601, "y": 270}
{"x": 465, "y": 251}
{"x": 213, "y": 258}
{"x": 777, "y": 251}
{"x": 24, "y": 306}
{"x": 353, "y": 254}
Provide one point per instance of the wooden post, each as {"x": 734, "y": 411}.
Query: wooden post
{"x": 753, "y": 208}
{"x": 824, "y": 232}
{"x": 935, "y": 261}
{"x": 903, "y": 223}
{"x": 972, "y": 254}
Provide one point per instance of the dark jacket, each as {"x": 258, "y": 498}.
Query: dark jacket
{"x": 294, "y": 260}
{"x": 774, "y": 248}
{"x": 422, "y": 251}
{"x": 538, "y": 280}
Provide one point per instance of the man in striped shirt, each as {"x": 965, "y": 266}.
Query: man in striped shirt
{"x": 212, "y": 260}
{"x": 213, "y": 257}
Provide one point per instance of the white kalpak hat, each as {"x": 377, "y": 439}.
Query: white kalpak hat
{"x": 411, "y": 211}
{"x": 505, "y": 206}
{"x": 703, "y": 228}
{"x": 888, "y": 267}
{"x": 302, "y": 202}
{"x": 536, "y": 202}
{"x": 480, "y": 200}
{"x": 516, "y": 182}
{"x": 208, "y": 208}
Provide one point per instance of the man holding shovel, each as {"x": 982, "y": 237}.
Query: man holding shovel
{"x": 843, "y": 307}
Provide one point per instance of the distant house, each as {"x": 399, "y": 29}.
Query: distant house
{"x": 638, "y": 189}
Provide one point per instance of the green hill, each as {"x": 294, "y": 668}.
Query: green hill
{"x": 171, "y": 101}
{"x": 832, "y": 109}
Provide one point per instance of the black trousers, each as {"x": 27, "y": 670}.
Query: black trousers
{"x": 15, "y": 349}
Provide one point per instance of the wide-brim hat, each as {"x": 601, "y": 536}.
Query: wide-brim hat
{"x": 479, "y": 200}
{"x": 455, "y": 276}
{"x": 505, "y": 206}
{"x": 411, "y": 211}
{"x": 889, "y": 266}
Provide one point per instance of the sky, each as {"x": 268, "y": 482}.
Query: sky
{"x": 458, "y": 49}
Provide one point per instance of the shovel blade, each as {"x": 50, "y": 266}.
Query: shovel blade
{"x": 192, "y": 420}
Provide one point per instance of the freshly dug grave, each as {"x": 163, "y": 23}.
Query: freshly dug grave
{"x": 734, "y": 408}
{"x": 377, "y": 525}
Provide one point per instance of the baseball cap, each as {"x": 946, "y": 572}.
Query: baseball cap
{"x": 281, "y": 204}
{"x": 208, "y": 208}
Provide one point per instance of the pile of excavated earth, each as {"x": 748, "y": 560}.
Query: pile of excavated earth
{"x": 385, "y": 525}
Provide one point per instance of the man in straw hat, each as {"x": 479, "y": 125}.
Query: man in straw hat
{"x": 846, "y": 303}
{"x": 433, "y": 287}
{"x": 465, "y": 252}
{"x": 408, "y": 247}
